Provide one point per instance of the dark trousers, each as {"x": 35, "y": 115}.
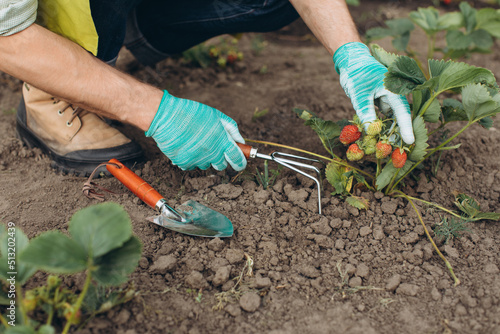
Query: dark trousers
{"x": 155, "y": 29}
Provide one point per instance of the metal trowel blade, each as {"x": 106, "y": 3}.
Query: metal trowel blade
{"x": 201, "y": 221}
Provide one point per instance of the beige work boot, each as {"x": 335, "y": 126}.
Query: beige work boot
{"x": 75, "y": 139}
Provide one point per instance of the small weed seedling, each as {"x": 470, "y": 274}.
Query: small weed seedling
{"x": 100, "y": 244}
{"x": 452, "y": 228}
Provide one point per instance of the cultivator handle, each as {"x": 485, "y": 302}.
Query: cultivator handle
{"x": 134, "y": 183}
{"x": 246, "y": 149}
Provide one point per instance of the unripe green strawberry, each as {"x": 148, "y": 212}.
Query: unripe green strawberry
{"x": 369, "y": 143}
{"x": 354, "y": 153}
{"x": 382, "y": 150}
{"x": 350, "y": 133}
{"x": 374, "y": 128}
{"x": 398, "y": 158}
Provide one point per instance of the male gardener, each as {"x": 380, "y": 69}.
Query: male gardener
{"x": 65, "y": 60}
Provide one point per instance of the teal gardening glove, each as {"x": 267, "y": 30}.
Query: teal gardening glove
{"x": 194, "y": 135}
{"x": 362, "y": 78}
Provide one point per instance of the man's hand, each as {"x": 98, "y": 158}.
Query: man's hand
{"x": 362, "y": 78}
{"x": 194, "y": 135}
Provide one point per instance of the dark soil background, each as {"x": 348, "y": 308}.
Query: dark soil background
{"x": 346, "y": 271}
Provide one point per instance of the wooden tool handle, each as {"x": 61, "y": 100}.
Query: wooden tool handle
{"x": 245, "y": 149}
{"x": 134, "y": 183}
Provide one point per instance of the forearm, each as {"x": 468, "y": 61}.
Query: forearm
{"x": 329, "y": 20}
{"x": 64, "y": 69}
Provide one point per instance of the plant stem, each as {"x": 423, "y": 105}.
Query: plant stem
{"x": 79, "y": 301}
{"x": 390, "y": 187}
{"x": 431, "y": 44}
{"x": 448, "y": 265}
{"x": 53, "y": 306}
{"x": 4, "y": 321}
{"x": 20, "y": 303}
{"x": 431, "y": 153}
{"x": 431, "y": 204}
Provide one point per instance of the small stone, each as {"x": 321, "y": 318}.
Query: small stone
{"x": 163, "y": 264}
{"x": 452, "y": 252}
{"x": 407, "y": 289}
{"x": 143, "y": 263}
{"x": 393, "y": 282}
{"x": 435, "y": 294}
{"x": 336, "y": 223}
{"x": 378, "y": 233}
{"x": 216, "y": 245}
{"x": 234, "y": 255}
{"x": 309, "y": 271}
{"x": 491, "y": 268}
{"x": 350, "y": 269}
{"x": 339, "y": 244}
{"x": 122, "y": 317}
{"x": 221, "y": 275}
{"x": 261, "y": 196}
{"x": 250, "y": 302}
{"x": 322, "y": 227}
{"x": 410, "y": 238}
{"x": 364, "y": 231}
{"x": 355, "y": 281}
{"x": 233, "y": 310}
{"x": 262, "y": 282}
{"x": 362, "y": 270}
{"x": 379, "y": 195}
{"x": 389, "y": 207}
{"x": 196, "y": 280}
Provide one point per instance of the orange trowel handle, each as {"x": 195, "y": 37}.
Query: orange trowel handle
{"x": 245, "y": 149}
{"x": 134, "y": 183}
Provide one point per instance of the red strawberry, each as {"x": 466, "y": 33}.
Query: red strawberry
{"x": 232, "y": 56}
{"x": 382, "y": 150}
{"x": 398, "y": 158}
{"x": 374, "y": 128}
{"x": 350, "y": 133}
{"x": 354, "y": 153}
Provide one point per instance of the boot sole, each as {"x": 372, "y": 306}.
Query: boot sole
{"x": 71, "y": 166}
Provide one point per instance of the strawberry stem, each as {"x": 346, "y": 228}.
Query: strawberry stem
{"x": 448, "y": 265}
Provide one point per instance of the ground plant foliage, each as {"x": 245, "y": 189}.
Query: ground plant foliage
{"x": 286, "y": 269}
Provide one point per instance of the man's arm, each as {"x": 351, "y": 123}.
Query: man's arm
{"x": 64, "y": 69}
{"x": 329, "y": 20}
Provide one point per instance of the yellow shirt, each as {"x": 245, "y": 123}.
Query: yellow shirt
{"x": 71, "y": 19}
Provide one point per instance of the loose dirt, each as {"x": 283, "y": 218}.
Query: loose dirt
{"x": 346, "y": 271}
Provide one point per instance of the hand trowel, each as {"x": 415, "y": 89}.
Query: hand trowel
{"x": 190, "y": 218}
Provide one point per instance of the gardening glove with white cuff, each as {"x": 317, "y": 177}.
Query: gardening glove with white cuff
{"x": 362, "y": 78}
{"x": 193, "y": 135}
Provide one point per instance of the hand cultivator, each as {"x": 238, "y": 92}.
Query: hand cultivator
{"x": 284, "y": 159}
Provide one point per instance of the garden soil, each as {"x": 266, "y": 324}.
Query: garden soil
{"x": 345, "y": 271}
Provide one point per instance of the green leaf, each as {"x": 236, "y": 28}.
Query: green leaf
{"x": 450, "y": 21}
{"x": 457, "y": 40}
{"x": 23, "y": 329}
{"x": 489, "y": 20}
{"x": 482, "y": 39}
{"x": 46, "y": 329}
{"x": 358, "y": 202}
{"x": 24, "y": 270}
{"x": 457, "y": 75}
{"x": 114, "y": 267}
{"x": 327, "y": 131}
{"x": 399, "y": 29}
{"x": 453, "y": 111}
{"x": 100, "y": 228}
{"x": 336, "y": 176}
{"x": 478, "y": 102}
{"x": 427, "y": 19}
{"x": 436, "y": 67}
{"x": 472, "y": 209}
{"x": 403, "y": 76}
{"x": 492, "y": 27}
{"x": 388, "y": 173}
{"x": 486, "y": 122}
{"x": 384, "y": 57}
{"x": 56, "y": 253}
{"x": 469, "y": 14}
{"x": 421, "y": 137}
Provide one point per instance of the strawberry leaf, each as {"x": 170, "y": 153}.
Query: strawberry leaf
{"x": 478, "y": 102}
{"x": 336, "y": 176}
{"x": 358, "y": 202}
{"x": 469, "y": 15}
{"x": 436, "y": 67}
{"x": 472, "y": 209}
{"x": 399, "y": 29}
{"x": 457, "y": 75}
{"x": 453, "y": 111}
{"x": 327, "y": 131}
{"x": 421, "y": 137}
{"x": 384, "y": 57}
{"x": 457, "y": 40}
{"x": 403, "y": 76}
{"x": 427, "y": 19}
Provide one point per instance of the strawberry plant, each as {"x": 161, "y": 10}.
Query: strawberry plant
{"x": 466, "y": 31}
{"x": 100, "y": 243}
{"x": 222, "y": 54}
